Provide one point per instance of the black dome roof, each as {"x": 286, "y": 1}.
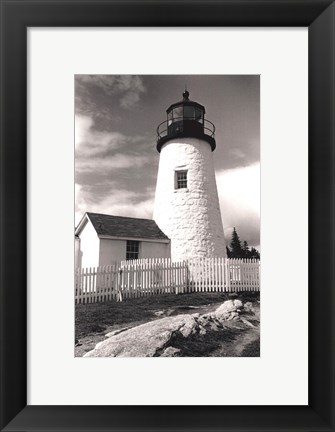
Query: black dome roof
{"x": 186, "y": 102}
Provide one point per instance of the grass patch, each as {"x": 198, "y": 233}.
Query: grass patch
{"x": 252, "y": 350}
{"x": 93, "y": 318}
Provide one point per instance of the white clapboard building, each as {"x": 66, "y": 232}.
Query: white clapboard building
{"x": 105, "y": 239}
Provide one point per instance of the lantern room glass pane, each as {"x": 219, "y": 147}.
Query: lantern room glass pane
{"x": 178, "y": 113}
{"x": 169, "y": 118}
{"x": 199, "y": 115}
{"x": 189, "y": 112}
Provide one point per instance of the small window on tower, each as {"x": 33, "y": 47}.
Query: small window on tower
{"x": 181, "y": 179}
{"x": 133, "y": 248}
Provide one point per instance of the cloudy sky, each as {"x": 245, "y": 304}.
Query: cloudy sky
{"x": 115, "y": 137}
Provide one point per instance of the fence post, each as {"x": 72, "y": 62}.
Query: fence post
{"x": 119, "y": 285}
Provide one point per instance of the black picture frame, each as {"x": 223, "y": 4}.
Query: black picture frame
{"x": 16, "y": 17}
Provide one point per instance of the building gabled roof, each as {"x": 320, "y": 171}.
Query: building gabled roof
{"x": 126, "y": 227}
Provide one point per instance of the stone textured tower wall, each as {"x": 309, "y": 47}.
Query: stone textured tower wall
{"x": 190, "y": 217}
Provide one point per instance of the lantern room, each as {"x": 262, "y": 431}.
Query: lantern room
{"x": 186, "y": 119}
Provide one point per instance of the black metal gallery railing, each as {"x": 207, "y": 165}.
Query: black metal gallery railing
{"x": 182, "y": 125}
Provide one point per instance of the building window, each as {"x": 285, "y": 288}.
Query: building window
{"x": 181, "y": 179}
{"x": 133, "y": 248}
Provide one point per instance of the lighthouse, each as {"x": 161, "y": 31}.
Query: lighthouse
{"x": 187, "y": 205}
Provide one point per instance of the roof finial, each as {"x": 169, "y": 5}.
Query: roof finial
{"x": 186, "y": 93}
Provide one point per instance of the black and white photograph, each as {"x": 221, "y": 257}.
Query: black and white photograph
{"x": 167, "y": 216}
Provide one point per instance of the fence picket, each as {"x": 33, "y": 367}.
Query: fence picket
{"x": 87, "y": 293}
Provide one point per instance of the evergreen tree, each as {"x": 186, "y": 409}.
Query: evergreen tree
{"x": 235, "y": 245}
{"x": 254, "y": 253}
{"x": 245, "y": 250}
{"x": 238, "y": 250}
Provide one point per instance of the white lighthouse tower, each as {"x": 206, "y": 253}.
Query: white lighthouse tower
{"x": 187, "y": 206}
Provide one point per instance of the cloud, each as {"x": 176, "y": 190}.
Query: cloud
{"x": 128, "y": 88}
{"x": 237, "y": 153}
{"x": 112, "y": 84}
{"x": 129, "y": 99}
{"x": 90, "y": 141}
{"x": 105, "y": 165}
{"x": 133, "y": 87}
{"x": 116, "y": 202}
{"x": 239, "y": 195}
{"x": 100, "y": 151}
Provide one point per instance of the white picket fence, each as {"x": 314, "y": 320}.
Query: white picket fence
{"x": 146, "y": 277}
{"x": 223, "y": 275}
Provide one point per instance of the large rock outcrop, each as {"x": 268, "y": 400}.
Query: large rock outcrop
{"x": 155, "y": 338}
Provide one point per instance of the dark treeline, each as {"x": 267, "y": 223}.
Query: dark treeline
{"x": 238, "y": 249}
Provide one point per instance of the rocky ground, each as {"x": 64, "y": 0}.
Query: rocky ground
{"x": 222, "y": 329}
